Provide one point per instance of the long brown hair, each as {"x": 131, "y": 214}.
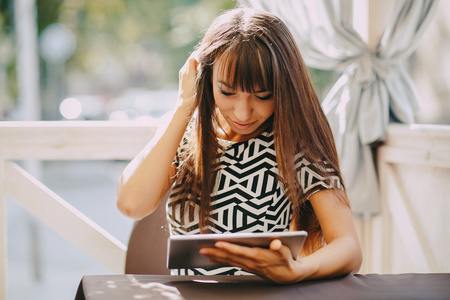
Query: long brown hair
{"x": 258, "y": 51}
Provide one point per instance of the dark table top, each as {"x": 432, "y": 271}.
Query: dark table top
{"x": 372, "y": 286}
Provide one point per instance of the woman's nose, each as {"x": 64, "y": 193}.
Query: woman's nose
{"x": 243, "y": 109}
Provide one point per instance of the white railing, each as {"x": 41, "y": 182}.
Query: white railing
{"x": 63, "y": 141}
{"x": 412, "y": 232}
{"x": 410, "y": 235}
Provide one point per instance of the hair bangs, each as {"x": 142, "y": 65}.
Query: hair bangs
{"x": 247, "y": 65}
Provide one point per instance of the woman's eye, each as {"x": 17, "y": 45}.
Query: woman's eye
{"x": 226, "y": 93}
{"x": 268, "y": 97}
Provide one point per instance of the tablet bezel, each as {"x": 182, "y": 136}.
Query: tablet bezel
{"x": 183, "y": 250}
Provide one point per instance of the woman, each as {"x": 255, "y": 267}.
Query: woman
{"x": 248, "y": 148}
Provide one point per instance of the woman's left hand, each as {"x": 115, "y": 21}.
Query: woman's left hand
{"x": 275, "y": 264}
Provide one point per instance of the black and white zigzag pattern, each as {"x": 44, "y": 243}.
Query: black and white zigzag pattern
{"x": 247, "y": 195}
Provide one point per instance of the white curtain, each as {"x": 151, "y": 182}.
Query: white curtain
{"x": 374, "y": 89}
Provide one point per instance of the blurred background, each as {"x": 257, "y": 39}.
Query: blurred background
{"x": 119, "y": 60}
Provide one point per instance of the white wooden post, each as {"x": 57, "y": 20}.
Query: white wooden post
{"x": 368, "y": 18}
{"x": 384, "y": 220}
{"x": 3, "y": 253}
{"x": 27, "y": 59}
{"x": 27, "y": 66}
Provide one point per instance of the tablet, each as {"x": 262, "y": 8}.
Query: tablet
{"x": 183, "y": 250}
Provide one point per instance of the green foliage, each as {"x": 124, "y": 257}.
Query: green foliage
{"x": 141, "y": 42}
{"x": 47, "y": 13}
{"x": 123, "y": 44}
{"x": 6, "y": 15}
{"x": 145, "y": 41}
{"x": 8, "y": 84}
{"x": 322, "y": 80}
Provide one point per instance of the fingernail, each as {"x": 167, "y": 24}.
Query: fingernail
{"x": 203, "y": 252}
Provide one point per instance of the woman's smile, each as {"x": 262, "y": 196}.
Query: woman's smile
{"x": 242, "y": 126}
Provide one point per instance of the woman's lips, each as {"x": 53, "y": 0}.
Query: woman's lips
{"x": 243, "y": 126}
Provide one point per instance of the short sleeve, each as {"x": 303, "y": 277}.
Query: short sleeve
{"x": 311, "y": 178}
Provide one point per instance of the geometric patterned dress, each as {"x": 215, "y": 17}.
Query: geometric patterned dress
{"x": 247, "y": 195}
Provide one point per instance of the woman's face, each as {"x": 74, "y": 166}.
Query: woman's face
{"x": 245, "y": 113}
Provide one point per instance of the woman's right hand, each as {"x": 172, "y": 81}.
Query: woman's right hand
{"x": 186, "y": 88}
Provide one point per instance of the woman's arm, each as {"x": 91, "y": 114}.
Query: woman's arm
{"x": 150, "y": 174}
{"x": 341, "y": 255}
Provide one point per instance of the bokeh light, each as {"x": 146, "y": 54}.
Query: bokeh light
{"x": 70, "y": 108}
